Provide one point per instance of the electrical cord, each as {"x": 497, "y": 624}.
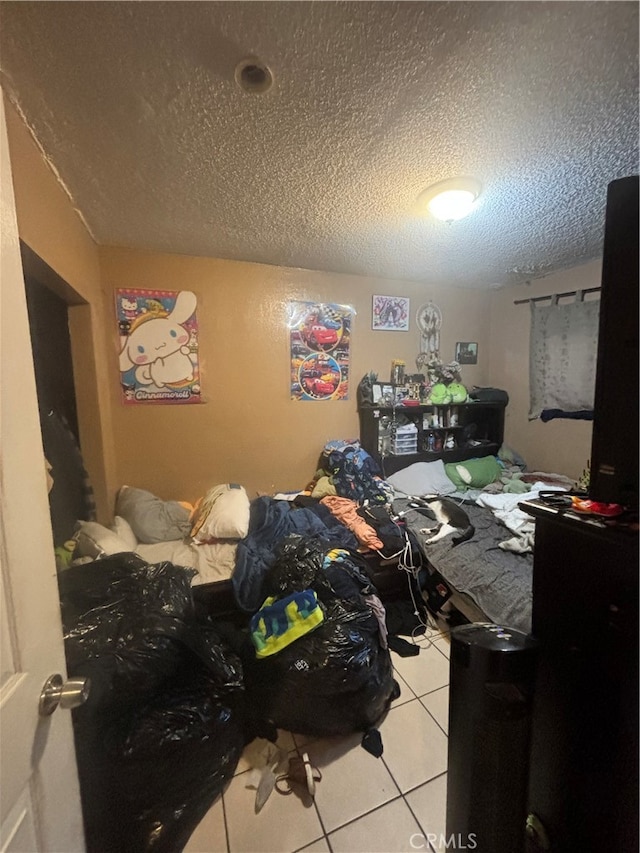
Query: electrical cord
{"x": 407, "y": 565}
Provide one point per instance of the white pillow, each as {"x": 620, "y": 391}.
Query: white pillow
{"x": 222, "y": 514}
{"x": 95, "y": 540}
{"x": 422, "y": 478}
{"x": 123, "y": 529}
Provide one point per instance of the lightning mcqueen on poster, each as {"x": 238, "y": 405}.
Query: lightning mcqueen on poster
{"x": 320, "y": 341}
{"x": 158, "y": 357}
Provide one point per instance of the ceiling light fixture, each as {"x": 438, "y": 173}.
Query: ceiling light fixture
{"x": 451, "y": 199}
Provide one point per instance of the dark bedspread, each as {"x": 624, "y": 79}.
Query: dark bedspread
{"x": 498, "y": 581}
{"x": 270, "y": 521}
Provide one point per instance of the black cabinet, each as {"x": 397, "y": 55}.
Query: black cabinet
{"x": 583, "y": 782}
{"x": 397, "y": 436}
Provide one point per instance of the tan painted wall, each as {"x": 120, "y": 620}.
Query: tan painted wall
{"x": 562, "y": 446}
{"x": 48, "y": 224}
{"x": 249, "y": 430}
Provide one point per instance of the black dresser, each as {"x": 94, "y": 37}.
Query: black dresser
{"x": 583, "y": 780}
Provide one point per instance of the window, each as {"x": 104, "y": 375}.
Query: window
{"x": 563, "y": 354}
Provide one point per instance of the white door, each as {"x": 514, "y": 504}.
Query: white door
{"x": 39, "y": 795}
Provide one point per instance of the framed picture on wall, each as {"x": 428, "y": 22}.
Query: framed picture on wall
{"x": 390, "y": 313}
{"x": 467, "y": 352}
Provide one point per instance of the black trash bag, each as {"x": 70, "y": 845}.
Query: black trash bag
{"x": 148, "y": 778}
{"x": 186, "y": 744}
{"x": 163, "y": 728}
{"x": 223, "y": 665}
{"x": 334, "y": 680}
{"x": 489, "y": 395}
{"x": 349, "y": 579}
{"x": 135, "y": 617}
{"x": 298, "y": 567}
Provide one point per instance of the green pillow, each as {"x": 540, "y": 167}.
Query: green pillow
{"x": 473, "y": 473}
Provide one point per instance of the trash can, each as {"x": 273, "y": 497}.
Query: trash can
{"x": 492, "y": 674}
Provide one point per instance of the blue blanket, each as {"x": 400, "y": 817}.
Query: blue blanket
{"x": 270, "y": 521}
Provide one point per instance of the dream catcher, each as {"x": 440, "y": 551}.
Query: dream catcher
{"x": 429, "y": 320}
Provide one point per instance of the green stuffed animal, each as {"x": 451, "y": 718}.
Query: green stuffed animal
{"x": 440, "y": 395}
{"x": 458, "y": 392}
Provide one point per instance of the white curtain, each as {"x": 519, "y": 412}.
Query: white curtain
{"x": 563, "y": 353}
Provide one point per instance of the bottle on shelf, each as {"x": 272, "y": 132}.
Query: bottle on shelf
{"x": 397, "y": 371}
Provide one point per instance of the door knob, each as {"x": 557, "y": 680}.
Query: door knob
{"x": 67, "y": 694}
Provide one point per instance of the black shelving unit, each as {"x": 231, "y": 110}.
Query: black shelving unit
{"x": 477, "y": 429}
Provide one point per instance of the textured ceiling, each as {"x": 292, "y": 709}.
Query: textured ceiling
{"x": 136, "y": 107}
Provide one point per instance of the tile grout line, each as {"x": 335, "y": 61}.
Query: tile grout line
{"x": 315, "y": 805}
{"x": 428, "y": 781}
{"x": 369, "y": 812}
{"x": 401, "y": 795}
{"x": 324, "y": 831}
{"x": 442, "y": 652}
{"x": 446, "y": 734}
{"x": 408, "y": 804}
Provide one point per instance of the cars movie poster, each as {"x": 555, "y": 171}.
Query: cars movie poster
{"x": 320, "y": 340}
{"x": 158, "y": 346}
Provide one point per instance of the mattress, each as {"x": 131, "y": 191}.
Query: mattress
{"x": 498, "y": 582}
{"x": 213, "y": 562}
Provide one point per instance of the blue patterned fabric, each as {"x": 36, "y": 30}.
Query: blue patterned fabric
{"x": 354, "y": 473}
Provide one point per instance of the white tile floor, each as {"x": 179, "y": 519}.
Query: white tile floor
{"x": 363, "y": 804}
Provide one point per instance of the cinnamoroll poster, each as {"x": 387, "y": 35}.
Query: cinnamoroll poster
{"x": 158, "y": 352}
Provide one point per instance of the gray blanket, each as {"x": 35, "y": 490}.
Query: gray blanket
{"x": 498, "y": 581}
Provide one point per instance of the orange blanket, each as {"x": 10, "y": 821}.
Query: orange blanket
{"x": 345, "y": 510}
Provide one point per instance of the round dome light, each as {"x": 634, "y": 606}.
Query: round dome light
{"x": 451, "y": 199}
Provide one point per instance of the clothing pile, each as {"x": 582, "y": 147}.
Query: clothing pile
{"x": 317, "y": 660}
{"x": 348, "y": 471}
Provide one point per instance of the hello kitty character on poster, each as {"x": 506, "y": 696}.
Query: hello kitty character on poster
{"x": 158, "y": 346}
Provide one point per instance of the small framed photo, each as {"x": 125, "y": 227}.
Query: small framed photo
{"x": 377, "y": 392}
{"x": 467, "y": 352}
{"x": 390, "y": 313}
{"x": 387, "y": 393}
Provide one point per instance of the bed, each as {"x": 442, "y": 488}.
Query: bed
{"x": 489, "y": 577}
{"x": 487, "y": 583}
{"x": 230, "y": 541}
{"x": 204, "y": 538}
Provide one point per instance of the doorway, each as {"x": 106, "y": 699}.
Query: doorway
{"x": 48, "y": 300}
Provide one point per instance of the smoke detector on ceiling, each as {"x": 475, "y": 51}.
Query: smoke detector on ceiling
{"x": 253, "y": 76}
